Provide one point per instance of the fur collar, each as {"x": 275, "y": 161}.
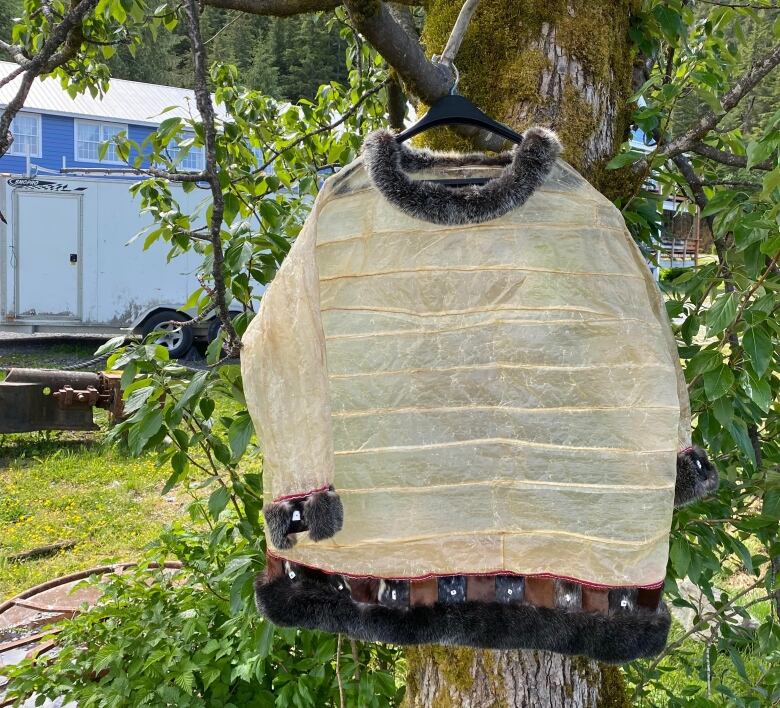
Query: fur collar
{"x": 525, "y": 169}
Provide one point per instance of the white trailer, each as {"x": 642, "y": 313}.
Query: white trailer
{"x": 69, "y": 262}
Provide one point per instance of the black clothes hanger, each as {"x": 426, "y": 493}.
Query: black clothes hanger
{"x": 455, "y": 109}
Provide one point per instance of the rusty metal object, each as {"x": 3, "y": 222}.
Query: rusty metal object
{"x": 68, "y": 397}
{"x": 49, "y": 399}
{"x": 25, "y": 407}
{"x": 54, "y": 378}
{"x": 23, "y": 616}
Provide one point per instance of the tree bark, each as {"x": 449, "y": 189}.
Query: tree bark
{"x": 440, "y": 677}
{"x": 564, "y": 64}
{"x": 568, "y": 65}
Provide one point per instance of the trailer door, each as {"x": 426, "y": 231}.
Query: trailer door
{"x": 48, "y": 255}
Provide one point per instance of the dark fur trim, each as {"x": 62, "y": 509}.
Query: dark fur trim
{"x": 531, "y": 162}
{"x": 323, "y": 514}
{"x": 278, "y": 517}
{"x": 696, "y": 476}
{"x": 312, "y": 603}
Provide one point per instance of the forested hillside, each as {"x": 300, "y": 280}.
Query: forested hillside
{"x": 286, "y": 58}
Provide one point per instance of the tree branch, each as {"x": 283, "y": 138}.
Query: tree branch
{"x": 285, "y": 8}
{"x": 729, "y": 158}
{"x": 276, "y": 8}
{"x": 704, "y": 621}
{"x": 206, "y": 110}
{"x": 744, "y": 85}
{"x": 458, "y": 32}
{"x": 322, "y": 129}
{"x": 751, "y": 5}
{"x": 51, "y": 55}
{"x": 428, "y": 81}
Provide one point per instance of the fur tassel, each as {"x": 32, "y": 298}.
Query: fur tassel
{"x": 278, "y": 517}
{"x": 696, "y": 476}
{"x": 618, "y": 637}
{"x": 527, "y": 167}
{"x": 323, "y": 514}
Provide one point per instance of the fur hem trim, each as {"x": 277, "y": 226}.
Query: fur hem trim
{"x": 617, "y": 637}
{"x": 278, "y": 517}
{"x": 696, "y": 476}
{"x": 323, "y": 514}
{"x": 526, "y": 168}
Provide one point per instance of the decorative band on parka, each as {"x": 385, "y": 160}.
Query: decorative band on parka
{"x": 499, "y": 611}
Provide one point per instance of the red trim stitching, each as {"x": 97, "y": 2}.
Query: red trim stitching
{"x": 427, "y": 576}
{"x": 301, "y": 495}
{"x": 686, "y": 450}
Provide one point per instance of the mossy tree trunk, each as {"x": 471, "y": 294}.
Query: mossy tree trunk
{"x": 568, "y": 65}
{"x": 441, "y": 677}
{"x": 564, "y": 64}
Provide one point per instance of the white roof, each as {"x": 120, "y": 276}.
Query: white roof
{"x": 125, "y": 101}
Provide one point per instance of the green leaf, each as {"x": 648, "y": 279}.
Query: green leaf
{"x": 771, "y": 182}
{"x": 206, "y": 406}
{"x": 738, "y": 431}
{"x": 759, "y": 348}
{"x": 232, "y": 207}
{"x": 758, "y": 391}
{"x": 625, "y": 158}
{"x": 680, "y": 555}
{"x": 718, "y": 203}
{"x": 218, "y": 501}
{"x": 194, "y": 389}
{"x": 142, "y": 432}
{"x": 771, "y": 246}
{"x": 739, "y": 665}
{"x": 722, "y": 312}
{"x": 111, "y": 345}
{"x": 137, "y": 399}
{"x": 180, "y": 464}
{"x": 718, "y": 381}
{"x": 723, "y": 409}
{"x": 214, "y": 349}
{"x": 265, "y": 639}
{"x": 126, "y": 381}
{"x": 758, "y": 152}
{"x": 705, "y": 360}
{"x": 239, "y": 433}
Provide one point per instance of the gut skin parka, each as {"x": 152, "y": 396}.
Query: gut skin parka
{"x": 473, "y": 418}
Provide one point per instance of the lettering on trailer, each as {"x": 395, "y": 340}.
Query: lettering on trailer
{"x": 43, "y": 185}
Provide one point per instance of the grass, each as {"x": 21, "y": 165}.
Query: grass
{"x": 45, "y": 353}
{"x": 67, "y": 487}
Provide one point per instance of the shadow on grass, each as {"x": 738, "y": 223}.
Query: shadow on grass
{"x": 15, "y": 447}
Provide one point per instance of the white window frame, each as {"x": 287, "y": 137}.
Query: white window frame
{"x": 101, "y": 124}
{"x": 14, "y": 146}
{"x": 173, "y": 148}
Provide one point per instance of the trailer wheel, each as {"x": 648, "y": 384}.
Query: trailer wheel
{"x": 215, "y": 326}
{"x": 178, "y": 340}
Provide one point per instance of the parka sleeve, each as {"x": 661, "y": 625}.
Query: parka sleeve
{"x": 285, "y": 380}
{"x": 696, "y": 476}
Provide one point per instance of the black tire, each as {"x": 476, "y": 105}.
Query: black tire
{"x": 215, "y": 325}
{"x": 179, "y": 341}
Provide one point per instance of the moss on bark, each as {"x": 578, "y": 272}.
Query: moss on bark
{"x": 505, "y": 63}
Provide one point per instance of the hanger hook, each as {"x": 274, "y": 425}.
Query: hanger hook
{"x": 454, "y": 88}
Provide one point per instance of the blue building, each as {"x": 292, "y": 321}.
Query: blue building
{"x": 55, "y": 131}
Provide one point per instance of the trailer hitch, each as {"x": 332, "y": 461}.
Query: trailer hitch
{"x": 49, "y": 399}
